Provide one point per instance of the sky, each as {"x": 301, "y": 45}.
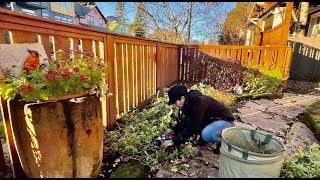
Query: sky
{"x": 108, "y": 9}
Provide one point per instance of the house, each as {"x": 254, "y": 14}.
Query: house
{"x": 266, "y": 20}
{"x": 59, "y": 11}
{"x": 291, "y": 24}
{"x": 117, "y": 25}
{"x": 90, "y": 16}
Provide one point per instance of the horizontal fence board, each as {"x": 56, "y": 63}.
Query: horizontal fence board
{"x": 46, "y": 31}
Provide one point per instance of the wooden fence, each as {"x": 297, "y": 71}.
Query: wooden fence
{"x": 305, "y": 62}
{"x": 134, "y": 76}
{"x": 277, "y": 36}
{"x": 138, "y": 66}
{"x": 267, "y": 56}
{"x": 272, "y": 37}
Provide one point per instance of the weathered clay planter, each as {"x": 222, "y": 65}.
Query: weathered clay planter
{"x": 62, "y": 138}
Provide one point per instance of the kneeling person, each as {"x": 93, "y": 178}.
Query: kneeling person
{"x": 199, "y": 114}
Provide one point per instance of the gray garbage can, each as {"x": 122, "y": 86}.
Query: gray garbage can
{"x": 249, "y": 154}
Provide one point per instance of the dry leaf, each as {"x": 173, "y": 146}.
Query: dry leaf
{"x": 174, "y": 169}
{"x": 117, "y": 160}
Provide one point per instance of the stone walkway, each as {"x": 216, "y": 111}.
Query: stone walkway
{"x": 272, "y": 116}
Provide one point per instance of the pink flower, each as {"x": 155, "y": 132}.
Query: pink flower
{"x": 76, "y": 69}
{"x": 30, "y": 87}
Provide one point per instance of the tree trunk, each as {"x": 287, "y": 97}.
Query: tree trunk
{"x": 303, "y": 18}
{"x": 189, "y": 25}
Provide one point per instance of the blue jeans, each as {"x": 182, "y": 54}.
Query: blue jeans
{"x": 212, "y": 132}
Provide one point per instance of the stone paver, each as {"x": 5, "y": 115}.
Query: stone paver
{"x": 302, "y": 136}
{"x": 288, "y": 111}
{"x": 255, "y": 105}
{"x": 270, "y": 125}
{"x": 244, "y": 125}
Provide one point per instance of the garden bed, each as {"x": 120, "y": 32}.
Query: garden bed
{"x": 129, "y": 139}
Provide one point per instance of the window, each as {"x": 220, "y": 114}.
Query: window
{"x": 57, "y": 18}
{"x": 100, "y": 22}
{"x": 28, "y": 11}
{"x": 65, "y": 4}
{"x": 90, "y": 20}
{"x": 70, "y": 21}
{"x": 64, "y": 19}
{"x": 45, "y": 15}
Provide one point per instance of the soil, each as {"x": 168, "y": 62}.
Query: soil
{"x": 303, "y": 87}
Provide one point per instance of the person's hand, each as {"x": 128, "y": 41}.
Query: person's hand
{"x": 169, "y": 135}
{"x": 167, "y": 143}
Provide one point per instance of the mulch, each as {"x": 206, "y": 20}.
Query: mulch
{"x": 303, "y": 87}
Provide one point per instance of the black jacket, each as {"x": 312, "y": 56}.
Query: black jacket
{"x": 198, "y": 109}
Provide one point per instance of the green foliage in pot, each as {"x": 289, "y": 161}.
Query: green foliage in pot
{"x": 58, "y": 78}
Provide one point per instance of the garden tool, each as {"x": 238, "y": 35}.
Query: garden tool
{"x": 167, "y": 143}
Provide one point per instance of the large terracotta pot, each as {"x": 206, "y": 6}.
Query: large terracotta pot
{"x": 59, "y": 139}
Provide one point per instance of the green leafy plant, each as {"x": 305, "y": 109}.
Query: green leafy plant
{"x": 226, "y": 98}
{"x": 303, "y": 164}
{"x": 2, "y": 131}
{"x": 263, "y": 80}
{"x": 136, "y": 137}
{"x": 84, "y": 73}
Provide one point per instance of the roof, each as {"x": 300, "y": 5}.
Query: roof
{"x": 112, "y": 18}
{"x": 82, "y": 11}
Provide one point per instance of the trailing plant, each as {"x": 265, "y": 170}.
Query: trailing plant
{"x": 58, "y": 78}
{"x": 303, "y": 164}
{"x": 137, "y": 137}
{"x": 226, "y": 98}
{"x": 260, "y": 79}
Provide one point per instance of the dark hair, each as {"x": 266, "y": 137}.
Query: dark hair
{"x": 176, "y": 92}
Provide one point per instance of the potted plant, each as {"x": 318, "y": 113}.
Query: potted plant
{"x": 56, "y": 115}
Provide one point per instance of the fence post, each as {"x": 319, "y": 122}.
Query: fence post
{"x": 286, "y": 24}
{"x": 158, "y": 67}
{"x": 288, "y": 61}
{"x": 109, "y": 53}
{"x": 179, "y": 68}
